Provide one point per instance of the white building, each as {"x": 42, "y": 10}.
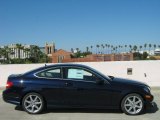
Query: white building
{"x": 157, "y": 52}
{"x": 15, "y": 52}
{"x": 22, "y": 53}
{"x": 150, "y": 52}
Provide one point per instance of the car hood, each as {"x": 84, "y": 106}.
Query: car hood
{"x": 128, "y": 81}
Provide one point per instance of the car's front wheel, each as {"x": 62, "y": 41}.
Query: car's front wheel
{"x": 132, "y": 104}
{"x": 33, "y": 103}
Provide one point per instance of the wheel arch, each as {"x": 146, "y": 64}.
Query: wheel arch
{"x": 33, "y": 91}
{"x": 127, "y": 93}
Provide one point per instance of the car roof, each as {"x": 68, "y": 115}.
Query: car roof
{"x": 66, "y": 64}
{"x": 56, "y": 65}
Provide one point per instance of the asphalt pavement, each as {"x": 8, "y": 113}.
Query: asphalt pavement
{"x": 12, "y": 112}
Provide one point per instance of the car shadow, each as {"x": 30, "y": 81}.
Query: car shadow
{"x": 18, "y": 108}
{"x": 81, "y": 110}
{"x": 73, "y": 110}
{"x": 150, "y": 110}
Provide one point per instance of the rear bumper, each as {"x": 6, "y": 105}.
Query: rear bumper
{"x": 10, "y": 98}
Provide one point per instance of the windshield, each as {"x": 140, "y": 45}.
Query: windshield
{"x": 97, "y": 71}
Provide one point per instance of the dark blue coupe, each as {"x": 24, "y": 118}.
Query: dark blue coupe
{"x": 75, "y": 86}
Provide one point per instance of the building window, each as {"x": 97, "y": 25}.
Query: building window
{"x": 129, "y": 71}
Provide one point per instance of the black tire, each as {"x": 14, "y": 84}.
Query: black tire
{"x": 35, "y": 105}
{"x": 134, "y": 107}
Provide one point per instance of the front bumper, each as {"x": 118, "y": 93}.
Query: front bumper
{"x": 149, "y": 101}
{"x": 149, "y": 98}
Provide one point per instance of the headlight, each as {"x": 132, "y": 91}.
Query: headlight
{"x": 147, "y": 89}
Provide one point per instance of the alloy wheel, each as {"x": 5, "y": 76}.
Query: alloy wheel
{"x": 132, "y": 104}
{"x": 33, "y": 103}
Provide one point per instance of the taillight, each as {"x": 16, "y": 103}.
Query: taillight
{"x": 9, "y": 84}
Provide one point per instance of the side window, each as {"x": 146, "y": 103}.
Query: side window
{"x": 51, "y": 73}
{"x": 79, "y": 74}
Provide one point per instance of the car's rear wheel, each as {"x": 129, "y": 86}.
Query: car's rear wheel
{"x": 33, "y": 103}
{"x": 132, "y": 104}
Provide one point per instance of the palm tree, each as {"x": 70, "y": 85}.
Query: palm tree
{"x": 3, "y": 53}
{"x": 97, "y": 48}
{"x": 106, "y": 45}
{"x": 114, "y": 48}
{"x": 150, "y": 45}
{"x": 111, "y": 49}
{"x": 155, "y": 46}
{"x": 91, "y": 48}
{"x": 145, "y": 46}
{"x": 121, "y": 48}
{"x": 19, "y": 47}
{"x": 135, "y": 48}
{"x": 130, "y": 46}
{"x": 125, "y": 47}
{"x": 77, "y": 54}
{"x": 72, "y": 50}
{"x": 77, "y": 49}
{"x": 159, "y": 46}
{"x": 8, "y": 52}
{"x": 35, "y": 53}
{"x": 108, "y": 48}
{"x": 140, "y": 47}
{"x": 102, "y": 46}
{"x": 117, "y": 48}
{"x": 87, "y": 49}
{"x": 103, "y": 49}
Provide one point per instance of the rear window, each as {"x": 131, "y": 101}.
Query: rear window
{"x": 51, "y": 73}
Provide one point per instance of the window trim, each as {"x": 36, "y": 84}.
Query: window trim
{"x": 83, "y": 68}
{"x": 78, "y": 80}
{"x": 62, "y": 74}
{"x": 35, "y": 74}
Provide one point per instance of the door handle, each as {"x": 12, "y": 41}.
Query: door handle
{"x": 80, "y": 89}
{"x": 67, "y": 84}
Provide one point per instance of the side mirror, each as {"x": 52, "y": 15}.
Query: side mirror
{"x": 112, "y": 77}
{"x": 99, "y": 81}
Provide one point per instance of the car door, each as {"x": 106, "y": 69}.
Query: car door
{"x": 53, "y": 86}
{"x": 85, "y": 88}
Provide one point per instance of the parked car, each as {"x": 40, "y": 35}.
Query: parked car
{"x": 75, "y": 86}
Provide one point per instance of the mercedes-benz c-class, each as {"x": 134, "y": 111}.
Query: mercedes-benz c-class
{"x": 75, "y": 86}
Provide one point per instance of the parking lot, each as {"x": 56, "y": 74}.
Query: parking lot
{"x": 12, "y": 112}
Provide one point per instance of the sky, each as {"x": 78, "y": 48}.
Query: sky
{"x": 80, "y": 23}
